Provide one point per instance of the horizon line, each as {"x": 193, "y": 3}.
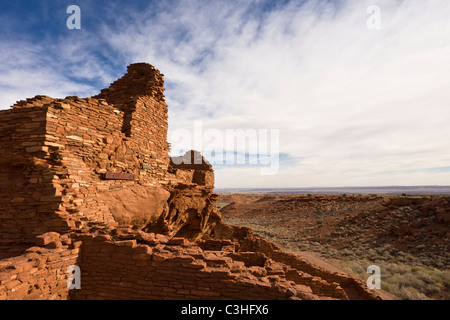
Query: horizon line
{"x": 342, "y": 187}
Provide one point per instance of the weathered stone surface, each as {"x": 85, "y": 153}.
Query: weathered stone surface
{"x": 137, "y": 205}
{"x": 59, "y": 163}
{"x": 158, "y": 236}
{"x": 47, "y": 238}
{"x": 190, "y": 213}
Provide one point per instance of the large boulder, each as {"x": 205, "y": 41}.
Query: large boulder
{"x": 137, "y": 205}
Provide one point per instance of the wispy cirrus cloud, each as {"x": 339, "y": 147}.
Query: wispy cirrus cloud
{"x": 351, "y": 103}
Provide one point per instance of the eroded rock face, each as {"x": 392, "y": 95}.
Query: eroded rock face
{"x": 190, "y": 212}
{"x": 137, "y": 205}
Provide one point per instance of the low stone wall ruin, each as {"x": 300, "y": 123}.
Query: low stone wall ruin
{"x": 89, "y": 182}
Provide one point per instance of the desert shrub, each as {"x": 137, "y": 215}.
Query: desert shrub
{"x": 409, "y": 293}
{"x": 432, "y": 288}
{"x": 400, "y": 279}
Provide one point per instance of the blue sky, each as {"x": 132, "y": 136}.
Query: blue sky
{"x": 353, "y": 106}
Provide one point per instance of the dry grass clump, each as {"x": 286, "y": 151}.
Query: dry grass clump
{"x": 403, "y": 280}
{"x": 221, "y": 205}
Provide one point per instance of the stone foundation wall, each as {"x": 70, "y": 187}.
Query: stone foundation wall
{"x": 322, "y": 282}
{"x": 125, "y": 264}
{"x": 166, "y": 269}
{"x": 40, "y": 273}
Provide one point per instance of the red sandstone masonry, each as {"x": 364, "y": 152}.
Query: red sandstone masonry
{"x": 150, "y": 266}
{"x": 166, "y": 270}
{"x": 322, "y": 281}
{"x": 157, "y": 235}
{"x": 40, "y": 273}
{"x": 23, "y": 175}
{"x": 56, "y": 152}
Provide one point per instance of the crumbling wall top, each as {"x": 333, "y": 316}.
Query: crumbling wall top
{"x": 141, "y": 79}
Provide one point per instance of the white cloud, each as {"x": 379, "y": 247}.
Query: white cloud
{"x": 55, "y": 68}
{"x": 351, "y": 103}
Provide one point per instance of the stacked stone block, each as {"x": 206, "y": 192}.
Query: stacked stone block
{"x": 89, "y": 182}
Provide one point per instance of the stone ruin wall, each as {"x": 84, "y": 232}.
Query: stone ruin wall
{"x": 55, "y": 153}
{"x": 137, "y": 265}
{"x": 153, "y": 233}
